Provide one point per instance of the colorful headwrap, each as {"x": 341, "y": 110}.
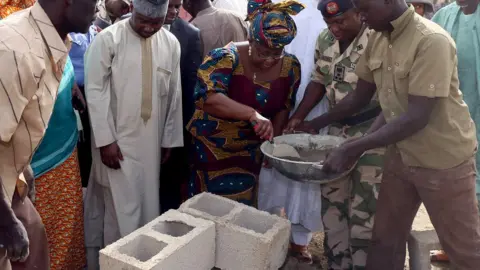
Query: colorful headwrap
{"x": 271, "y": 24}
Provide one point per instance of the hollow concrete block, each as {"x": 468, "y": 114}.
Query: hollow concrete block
{"x": 173, "y": 241}
{"x": 246, "y": 237}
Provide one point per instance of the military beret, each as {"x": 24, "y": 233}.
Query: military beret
{"x": 334, "y": 8}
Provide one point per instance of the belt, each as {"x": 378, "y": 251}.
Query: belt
{"x": 362, "y": 117}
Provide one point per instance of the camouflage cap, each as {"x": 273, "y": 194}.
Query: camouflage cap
{"x": 334, "y": 8}
{"x": 428, "y": 4}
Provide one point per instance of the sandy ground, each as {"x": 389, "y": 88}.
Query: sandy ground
{"x": 422, "y": 222}
{"x": 319, "y": 261}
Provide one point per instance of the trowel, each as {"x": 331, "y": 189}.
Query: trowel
{"x": 282, "y": 150}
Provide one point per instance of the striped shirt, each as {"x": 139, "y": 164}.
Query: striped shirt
{"x": 33, "y": 57}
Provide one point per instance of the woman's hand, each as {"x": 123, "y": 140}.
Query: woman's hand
{"x": 262, "y": 126}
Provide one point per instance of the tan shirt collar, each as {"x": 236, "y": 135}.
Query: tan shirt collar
{"x": 401, "y": 22}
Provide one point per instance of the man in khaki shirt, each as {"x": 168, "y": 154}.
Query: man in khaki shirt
{"x": 32, "y": 56}
{"x": 411, "y": 64}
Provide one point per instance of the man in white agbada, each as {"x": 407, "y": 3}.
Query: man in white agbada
{"x": 133, "y": 92}
{"x": 301, "y": 201}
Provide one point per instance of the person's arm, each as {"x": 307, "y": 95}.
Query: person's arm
{"x": 13, "y": 236}
{"x": 414, "y": 120}
{"x": 354, "y": 101}
{"x": 279, "y": 122}
{"x": 314, "y": 93}
{"x": 351, "y": 104}
{"x": 6, "y": 211}
{"x": 377, "y": 124}
{"x": 173, "y": 128}
{"x": 14, "y": 96}
{"x": 211, "y": 91}
{"x": 98, "y": 68}
{"x": 429, "y": 82}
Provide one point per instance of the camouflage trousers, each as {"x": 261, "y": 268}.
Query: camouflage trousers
{"x": 348, "y": 208}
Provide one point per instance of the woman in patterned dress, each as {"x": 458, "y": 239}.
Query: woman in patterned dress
{"x": 244, "y": 94}
{"x": 58, "y": 185}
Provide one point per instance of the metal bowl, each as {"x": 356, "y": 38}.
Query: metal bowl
{"x": 302, "y": 171}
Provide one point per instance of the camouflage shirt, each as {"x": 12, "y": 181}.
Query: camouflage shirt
{"x": 335, "y": 70}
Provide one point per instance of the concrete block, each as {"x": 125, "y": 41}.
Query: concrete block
{"x": 246, "y": 237}
{"x": 175, "y": 241}
{"x": 421, "y": 241}
{"x": 211, "y": 207}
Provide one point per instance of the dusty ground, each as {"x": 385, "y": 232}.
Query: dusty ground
{"x": 422, "y": 222}
{"x": 319, "y": 261}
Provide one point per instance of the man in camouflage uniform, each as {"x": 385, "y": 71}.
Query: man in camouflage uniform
{"x": 348, "y": 205}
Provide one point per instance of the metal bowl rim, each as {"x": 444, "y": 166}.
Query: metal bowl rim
{"x": 263, "y": 145}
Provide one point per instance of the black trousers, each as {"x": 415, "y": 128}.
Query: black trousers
{"x": 84, "y": 146}
{"x": 174, "y": 173}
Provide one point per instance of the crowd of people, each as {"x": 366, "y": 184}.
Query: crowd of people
{"x": 113, "y": 112}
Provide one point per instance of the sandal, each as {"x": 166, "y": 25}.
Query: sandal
{"x": 301, "y": 253}
{"x": 438, "y": 256}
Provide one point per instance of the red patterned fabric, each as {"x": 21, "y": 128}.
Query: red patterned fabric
{"x": 7, "y": 7}
{"x": 59, "y": 203}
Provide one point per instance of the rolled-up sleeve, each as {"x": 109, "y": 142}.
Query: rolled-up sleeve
{"x": 431, "y": 74}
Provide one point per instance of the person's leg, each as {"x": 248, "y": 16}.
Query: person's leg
{"x": 172, "y": 174}
{"x": 300, "y": 239}
{"x": 335, "y": 217}
{"x": 366, "y": 181}
{"x": 39, "y": 255}
{"x": 362, "y": 212}
{"x": 450, "y": 199}
{"x": 111, "y": 229}
{"x": 397, "y": 205}
{"x": 84, "y": 146}
{"x": 94, "y": 219}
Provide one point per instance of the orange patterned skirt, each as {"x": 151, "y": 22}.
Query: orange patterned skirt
{"x": 8, "y": 7}
{"x": 59, "y": 203}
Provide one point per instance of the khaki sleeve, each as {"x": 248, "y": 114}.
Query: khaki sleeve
{"x": 317, "y": 76}
{"x": 362, "y": 69}
{"x": 17, "y": 88}
{"x": 432, "y": 69}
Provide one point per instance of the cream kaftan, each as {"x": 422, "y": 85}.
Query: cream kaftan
{"x": 120, "y": 201}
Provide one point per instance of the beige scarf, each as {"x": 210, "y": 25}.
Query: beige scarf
{"x": 146, "y": 110}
